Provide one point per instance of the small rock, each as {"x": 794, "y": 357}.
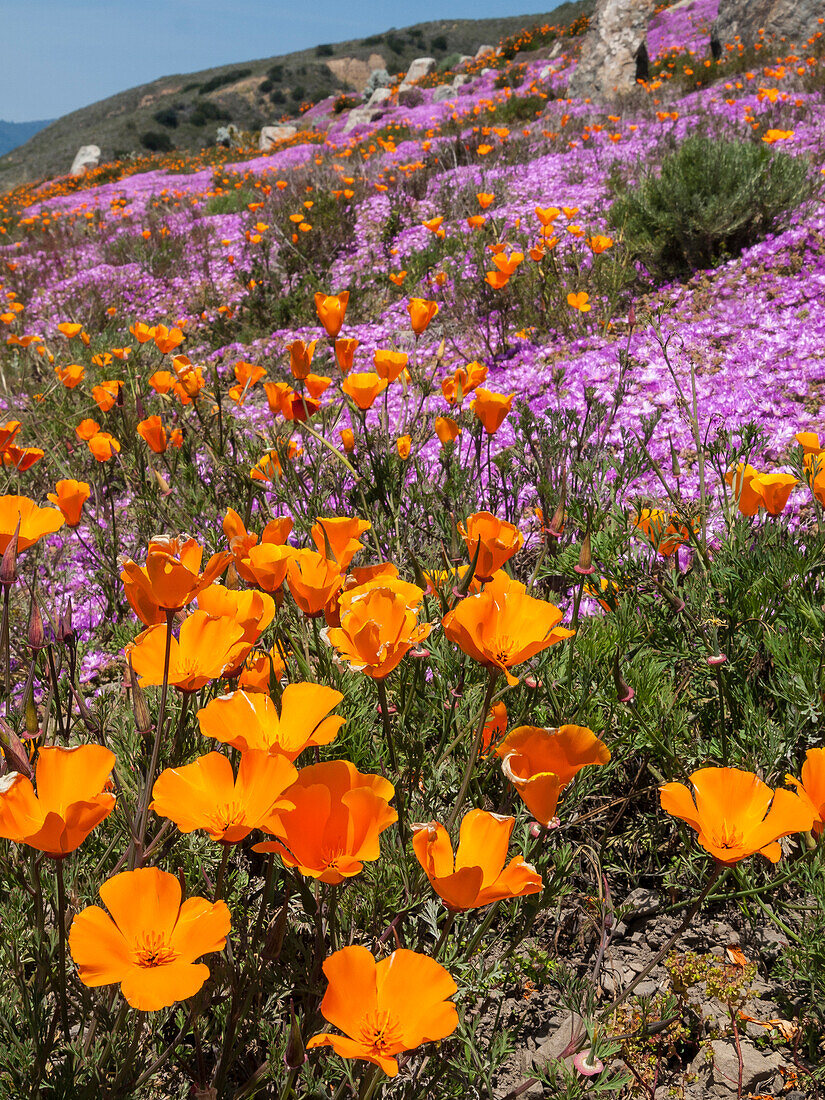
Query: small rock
{"x": 460, "y": 79}
{"x": 379, "y": 96}
{"x": 483, "y": 51}
{"x": 422, "y": 66}
{"x": 87, "y": 158}
{"x": 442, "y": 92}
{"x": 756, "y": 1067}
{"x": 358, "y": 116}
{"x": 271, "y": 135}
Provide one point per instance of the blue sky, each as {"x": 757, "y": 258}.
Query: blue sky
{"x": 58, "y": 55}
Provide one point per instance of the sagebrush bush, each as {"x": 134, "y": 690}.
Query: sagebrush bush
{"x": 711, "y": 199}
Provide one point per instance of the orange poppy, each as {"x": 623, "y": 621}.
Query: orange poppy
{"x": 300, "y": 358}
{"x": 745, "y": 494}
{"x": 485, "y": 199}
{"x": 205, "y": 794}
{"x": 7, "y": 433}
{"x": 403, "y": 445}
{"x": 313, "y": 581}
{"x": 398, "y": 277}
{"x": 252, "y": 611}
{"x": 385, "y": 1007}
{"x": 336, "y": 817}
{"x": 774, "y": 490}
{"x": 250, "y": 722}
{"x": 491, "y": 408}
{"x": 342, "y": 534}
{"x": 446, "y": 429}
{"x": 241, "y": 541}
{"x": 162, "y": 381}
{"x": 69, "y": 329}
{"x": 259, "y": 668}
{"x": 86, "y": 429}
{"x": 665, "y": 533}
{"x": 476, "y": 221}
{"x": 377, "y": 629}
{"x": 167, "y": 339}
{"x": 267, "y": 564}
{"x": 598, "y": 243}
{"x": 70, "y": 496}
{"x": 348, "y": 440}
{"x": 495, "y": 539}
{"x": 497, "y": 279}
{"x": 103, "y": 445}
{"x": 22, "y": 458}
{"x": 462, "y": 381}
{"x": 421, "y": 312}
{"x": 151, "y": 945}
{"x": 541, "y": 762}
{"x": 507, "y": 265}
{"x": 736, "y": 814}
{"x": 171, "y": 577}
{"x": 476, "y": 875}
{"x": 71, "y": 799}
{"x": 106, "y": 394}
{"x": 345, "y": 353}
{"x": 811, "y": 787}
{"x": 70, "y": 376}
{"x": 547, "y": 214}
{"x": 503, "y": 626}
{"x": 363, "y": 388}
{"x": 389, "y": 364}
{"x": 579, "y": 301}
{"x": 154, "y": 433}
{"x": 34, "y": 522}
{"x": 247, "y": 375}
{"x": 331, "y": 309}
{"x": 205, "y": 649}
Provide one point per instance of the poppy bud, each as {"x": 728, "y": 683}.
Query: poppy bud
{"x": 294, "y": 1055}
{"x": 631, "y": 315}
{"x": 8, "y": 566}
{"x": 585, "y": 562}
{"x": 140, "y": 708}
{"x": 139, "y": 409}
{"x": 65, "y": 630}
{"x": 556, "y": 528}
{"x": 624, "y": 692}
{"x": 36, "y": 628}
{"x": 13, "y": 750}
{"x": 30, "y": 710}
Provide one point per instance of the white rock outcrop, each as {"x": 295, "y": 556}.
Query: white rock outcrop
{"x": 87, "y": 158}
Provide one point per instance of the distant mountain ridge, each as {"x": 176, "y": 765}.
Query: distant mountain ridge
{"x": 14, "y": 134}
{"x": 183, "y": 111}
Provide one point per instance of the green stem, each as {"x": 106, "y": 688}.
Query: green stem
{"x": 221, "y": 872}
{"x": 61, "y": 940}
{"x": 445, "y": 931}
{"x": 473, "y": 757}
{"x": 143, "y": 815}
{"x": 386, "y": 722}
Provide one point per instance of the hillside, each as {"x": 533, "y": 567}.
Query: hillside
{"x": 184, "y": 110}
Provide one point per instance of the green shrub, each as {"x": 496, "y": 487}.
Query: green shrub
{"x": 275, "y": 73}
{"x": 324, "y": 50}
{"x": 207, "y": 111}
{"x": 298, "y": 93}
{"x": 156, "y": 142}
{"x": 226, "y": 78}
{"x": 167, "y": 116}
{"x": 712, "y": 198}
{"x": 519, "y": 109}
{"x": 277, "y": 96}
{"x": 439, "y": 43}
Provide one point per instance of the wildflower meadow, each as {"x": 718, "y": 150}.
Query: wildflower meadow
{"x": 412, "y": 663}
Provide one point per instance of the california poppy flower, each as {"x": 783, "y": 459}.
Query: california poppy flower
{"x": 491, "y": 408}
{"x": 331, "y": 309}
{"x": 103, "y": 445}
{"x": 71, "y": 799}
{"x": 485, "y": 199}
{"x": 446, "y": 429}
{"x": 385, "y": 1007}
{"x": 336, "y": 817}
{"x": 421, "y": 312}
{"x": 736, "y": 814}
{"x": 494, "y": 727}
{"x": 377, "y": 629}
{"x": 171, "y": 577}
{"x": 167, "y": 339}
{"x": 497, "y": 279}
{"x": 665, "y": 532}
{"x": 476, "y": 875}
{"x": 204, "y": 650}
{"x": 345, "y": 353}
{"x": 241, "y": 541}
{"x": 342, "y": 534}
{"x": 252, "y": 611}
{"x": 363, "y": 387}
{"x": 403, "y": 445}
{"x": 811, "y": 786}
{"x": 247, "y": 375}
{"x": 267, "y": 563}
{"x": 7, "y": 433}
{"x": 774, "y": 489}
{"x": 34, "y": 522}
{"x": 150, "y": 942}
{"x": 579, "y": 301}
{"x": 259, "y": 668}
{"x": 300, "y": 358}
{"x": 740, "y": 479}
{"x": 205, "y": 794}
{"x": 348, "y": 440}
{"x": 70, "y": 376}
{"x": 106, "y": 394}
{"x": 153, "y": 432}
{"x": 502, "y": 626}
{"x": 69, "y": 329}
{"x": 70, "y": 496}
{"x": 541, "y": 762}
{"x": 313, "y": 581}
{"x": 86, "y": 429}
{"x": 389, "y": 364}
{"x": 495, "y": 539}
{"x": 250, "y": 722}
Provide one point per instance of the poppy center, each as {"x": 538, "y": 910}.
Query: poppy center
{"x": 331, "y": 852}
{"x": 729, "y": 836}
{"x": 226, "y": 815}
{"x": 381, "y": 1031}
{"x": 151, "y": 949}
{"x": 502, "y": 648}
